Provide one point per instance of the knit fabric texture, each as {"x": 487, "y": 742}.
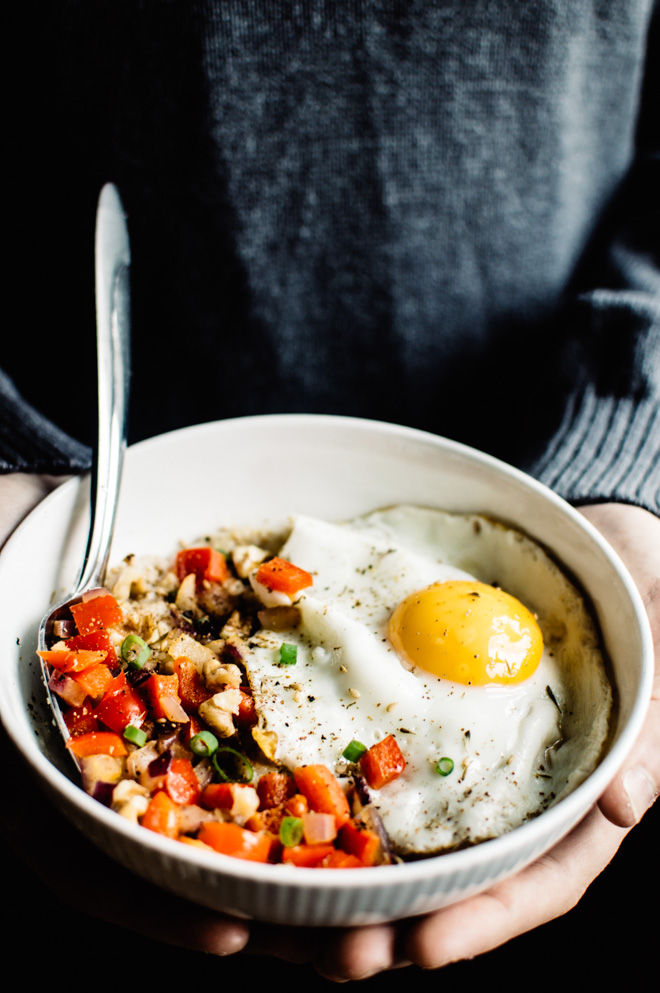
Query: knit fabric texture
{"x": 441, "y": 214}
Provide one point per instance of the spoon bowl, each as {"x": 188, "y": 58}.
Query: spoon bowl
{"x": 112, "y": 254}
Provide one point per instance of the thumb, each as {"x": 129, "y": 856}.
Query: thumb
{"x": 634, "y": 534}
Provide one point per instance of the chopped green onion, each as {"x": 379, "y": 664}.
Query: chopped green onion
{"x": 288, "y": 654}
{"x": 354, "y": 751}
{"x": 291, "y": 831}
{"x": 136, "y": 735}
{"x": 444, "y": 766}
{"x": 135, "y": 651}
{"x": 204, "y": 744}
{"x": 248, "y": 771}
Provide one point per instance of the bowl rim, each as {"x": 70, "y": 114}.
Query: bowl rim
{"x": 568, "y": 810}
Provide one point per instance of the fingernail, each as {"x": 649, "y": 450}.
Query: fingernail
{"x": 330, "y": 976}
{"x": 641, "y": 790}
{"x": 327, "y": 971}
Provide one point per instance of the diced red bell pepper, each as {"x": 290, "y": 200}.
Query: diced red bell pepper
{"x": 97, "y": 743}
{"x": 81, "y": 720}
{"x": 72, "y": 660}
{"x": 338, "y": 859}
{"x": 217, "y": 796}
{"x": 269, "y": 819}
{"x": 94, "y": 681}
{"x": 274, "y": 788}
{"x": 121, "y": 705}
{"x": 306, "y": 856}
{"x": 97, "y": 641}
{"x": 97, "y": 613}
{"x": 382, "y": 763}
{"x": 192, "y": 689}
{"x": 162, "y": 693}
{"x": 356, "y": 839}
{"x": 206, "y": 563}
{"x": 221, "y": 796}
{"x": 162, "y": 815}
{"x": 323, "y": 791}
{"x": 230, "y": 839}
{"x": 247, "y": 712}
{"x": 296, "y": 805}
{"x": 278, "y": 574}
{"x": 181, "y": 783}
{"x": 193, "y": 727}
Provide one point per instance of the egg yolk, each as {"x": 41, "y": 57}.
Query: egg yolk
{"x": 468, "y": 632}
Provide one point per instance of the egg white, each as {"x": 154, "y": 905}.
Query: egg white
{"x": 515, "y": 748}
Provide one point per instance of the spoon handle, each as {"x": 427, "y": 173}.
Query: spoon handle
{"x": 113, "y": 360}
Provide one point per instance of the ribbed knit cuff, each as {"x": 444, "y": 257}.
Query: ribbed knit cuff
{"x": 30, "y": 442}
{"x": 606, "y": 449}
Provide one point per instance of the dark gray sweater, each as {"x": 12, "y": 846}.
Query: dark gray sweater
{"x": 443, "y": 214}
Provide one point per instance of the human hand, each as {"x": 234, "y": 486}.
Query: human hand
{"x": 20, "y": 492}
{"x": 549, "y": 887}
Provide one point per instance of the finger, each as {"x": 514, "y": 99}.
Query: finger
{"x": 297, "y": 945}
{"x": 174, "y": 921}
{"x": 636, "y": 788}
{"x": 547, "y": 889}
{"x": 20, "y": 492}
{"x": 338, "y": 954}
{"x": 635, "y": 535}
{"x": 358, "y": 953}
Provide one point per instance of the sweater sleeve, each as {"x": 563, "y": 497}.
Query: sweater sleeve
{"x": 607, "y": 446}
{"x": 29, "y": 442}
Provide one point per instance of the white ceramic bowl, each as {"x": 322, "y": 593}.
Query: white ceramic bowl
{"x": 257, "y": 470}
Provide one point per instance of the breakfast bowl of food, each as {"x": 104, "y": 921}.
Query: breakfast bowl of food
{"x": 324, "y": 644}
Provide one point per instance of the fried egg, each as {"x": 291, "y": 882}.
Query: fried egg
{"x": 460, "y": 637}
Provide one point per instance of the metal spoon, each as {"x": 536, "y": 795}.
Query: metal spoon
{"x": 112, "y": 258}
